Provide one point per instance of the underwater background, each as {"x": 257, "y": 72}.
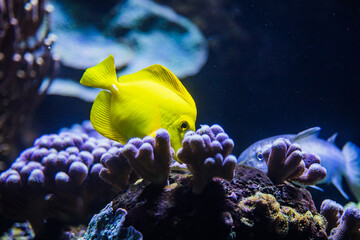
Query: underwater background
{"x": 272, "y": 68}
{"x": 275, "y": 68}
{"x": 257, "y": 68}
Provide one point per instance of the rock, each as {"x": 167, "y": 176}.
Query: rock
{"x": 219, "y": 212}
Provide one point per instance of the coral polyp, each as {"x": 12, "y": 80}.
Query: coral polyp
{"x": 286, "y": 161}
{"x": 207, "y": 155}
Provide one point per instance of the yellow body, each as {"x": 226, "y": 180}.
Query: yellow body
{"x": 138, "y": 104}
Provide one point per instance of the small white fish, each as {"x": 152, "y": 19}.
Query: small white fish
{"x": 338, "y": 163}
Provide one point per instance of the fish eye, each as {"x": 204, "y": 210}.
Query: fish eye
{"x": 184, "y": 125}
{"x": 259, "y": 157}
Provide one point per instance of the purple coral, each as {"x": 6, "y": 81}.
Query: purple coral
{"x": 332, "y": 211}
{"x": 117, "y": 169}
{"x": 349, "y": 225}
{"x": 84, "y": 127}
{"x": 287, "y": 162}
{"x": 343, "y": 224}
{"x": 207, "y": 155}
{"x": 149, "y": 157}
{"x": 56, "y": 178}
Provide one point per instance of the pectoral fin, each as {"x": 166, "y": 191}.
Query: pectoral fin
{"x": 100, "y": 117}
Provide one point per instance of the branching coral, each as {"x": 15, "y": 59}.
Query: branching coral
{"x": 116, "y": 170}
{"x": 149, "y": 157}
{"x": 63, "y": 174}
{"x": 25, "y": 60}
{"x": 207, "y": 155}
{"x": 343, "y": 224}
{"x": 286, "y": 162}
{"x": 332, "y": 211}
{"x": 57, "y": 178}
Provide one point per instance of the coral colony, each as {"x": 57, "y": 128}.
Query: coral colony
{"x": 286, "y": 161}
{"x": 57, "y": 178}
{"x": 207, "y": 155}
{"x": 64, "y": 175}
{"x": 25, "y": 61}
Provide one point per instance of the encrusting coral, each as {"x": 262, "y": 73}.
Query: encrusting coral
{"x": 207, "y": 155}
{"x": 286, "y": 162}
{"x": 343, "y": 223}
{"x": 263, "y": 209}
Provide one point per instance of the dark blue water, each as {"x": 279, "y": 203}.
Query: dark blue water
{"x": 298, "y": 68}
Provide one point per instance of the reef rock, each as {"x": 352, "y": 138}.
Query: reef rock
{"x": 113, "y": 222}
{"x": 248, "y": 207}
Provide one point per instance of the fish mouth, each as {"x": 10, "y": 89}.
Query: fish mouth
{"x": 246, "y": 162}
{"x": 254, "y": 164}
{"x": 175, "y": 157}
{"x": 176, "y": 150}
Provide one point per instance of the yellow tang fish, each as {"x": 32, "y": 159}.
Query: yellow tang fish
{"x": 138, "y": 104}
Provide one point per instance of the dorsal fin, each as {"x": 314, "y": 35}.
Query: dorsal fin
{"x": 102, "y": 75}
{"x": 332, "y": 138}
{"x": 100, "y": 117}
{"x": 161, "y": 75}
{"x": 308, "y": 133}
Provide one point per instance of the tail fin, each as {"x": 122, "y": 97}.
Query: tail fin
{"x": 102, "y": 75}
{"x": 352, "y": 156}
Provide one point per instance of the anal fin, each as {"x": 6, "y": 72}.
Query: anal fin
{"x": 100, "y": 117}
{"x": 336, "y": 180}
